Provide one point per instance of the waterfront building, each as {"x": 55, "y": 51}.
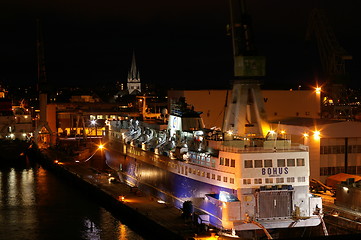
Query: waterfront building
{"x": 86, "y": 115}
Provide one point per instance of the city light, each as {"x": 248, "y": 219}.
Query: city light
{"x": 230, "y": 132}
{"x": 100, "y": 147}
{"x": 335, "y": 214}
{"x": 318, "y": 90}
{"x": 317, "y": 135}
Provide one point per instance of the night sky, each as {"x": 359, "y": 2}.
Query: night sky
{"x": 178, "y": 44}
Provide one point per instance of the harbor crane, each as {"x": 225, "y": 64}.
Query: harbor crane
{"x": 333, "y": 59}
{"x": 43, "y": 127}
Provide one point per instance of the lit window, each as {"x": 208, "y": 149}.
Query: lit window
{"x": 290, "y": 179}
{"x": 258, "y": 164}
{"x": 300, "y": 162}
{"x": 248, "y": 164}
{"x": 269, "y": 180}
{"x": 291, "y": 162}
{"x": 281, "y": 163}
{"x": 233, "y": 163}
{"x": 268, "y": 163}
{"x": 246, "y": 181}
{"x": 258, "y": 181}
{"x": 280, "y": 180}
{"x": 301, "y": 179}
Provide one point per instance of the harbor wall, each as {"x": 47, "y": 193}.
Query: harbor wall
{"x": 135, "y": 218}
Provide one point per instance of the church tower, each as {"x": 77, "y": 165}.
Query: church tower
{"x": 133, "y": 85}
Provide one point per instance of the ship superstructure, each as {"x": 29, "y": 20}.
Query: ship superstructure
{"x": 232, "y": 182}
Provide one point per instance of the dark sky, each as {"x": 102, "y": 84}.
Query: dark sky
{"x": 179, "y": 44}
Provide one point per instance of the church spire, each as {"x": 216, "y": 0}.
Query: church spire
{"x": 134, "y": 86}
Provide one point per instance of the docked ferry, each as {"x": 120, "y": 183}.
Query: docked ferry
{"x": 232, "y": 182}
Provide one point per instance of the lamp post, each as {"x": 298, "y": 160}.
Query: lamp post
{"x": 94, "y": 124}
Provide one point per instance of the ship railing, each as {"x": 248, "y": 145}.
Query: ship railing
{"x": 248, "y": 149}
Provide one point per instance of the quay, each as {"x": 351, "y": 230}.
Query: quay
{"x": 147, "y": 216}
{"x": 345, "y": 220}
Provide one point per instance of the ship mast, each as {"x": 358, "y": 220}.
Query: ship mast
{"x": 245, "y": 114}
{"x": 43, "y": 126}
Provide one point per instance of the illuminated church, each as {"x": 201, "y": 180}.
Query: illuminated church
{"x": 133, "y": 84}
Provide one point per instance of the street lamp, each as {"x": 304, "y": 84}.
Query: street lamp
{"x": 100, "y": 147}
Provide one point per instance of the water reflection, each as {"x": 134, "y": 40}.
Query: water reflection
{"x": 35, "y": 204}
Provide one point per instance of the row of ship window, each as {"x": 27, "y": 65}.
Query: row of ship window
{"x": 203, "y": 160}
{"x": 227, "y": 162}
{"x": 248, "y": 181}
{"x": 210, "y": 162}
{"x": 291, "y": 162}
{"x": 207, "y": 175}
{"x": 194, "y": 171}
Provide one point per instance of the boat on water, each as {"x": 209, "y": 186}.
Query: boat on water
{"x": 15, "y": 129}
{"x": 227, "y": 181}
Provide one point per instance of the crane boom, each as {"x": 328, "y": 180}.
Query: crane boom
{"x": 332, "y": 55}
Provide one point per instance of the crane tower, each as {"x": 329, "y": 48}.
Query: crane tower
{"x": 245, "y": 114}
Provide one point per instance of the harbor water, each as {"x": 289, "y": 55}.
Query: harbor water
{"x": 35, "y": 204}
